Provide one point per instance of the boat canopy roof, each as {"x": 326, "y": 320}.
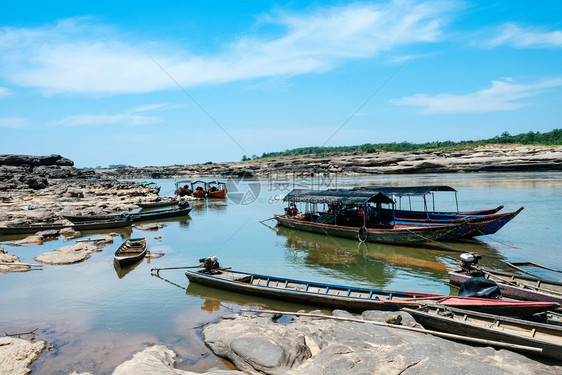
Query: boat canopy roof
{"x": 404, "y": 191}
{"x": 337, "y": 196}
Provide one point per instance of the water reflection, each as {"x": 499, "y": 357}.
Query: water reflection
{"x": 122, "y": 271}
{"x": 378, "y": 264}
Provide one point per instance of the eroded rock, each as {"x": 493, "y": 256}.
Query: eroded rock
{"x": 11, "y": 263}
{"x": 258, "y": 345}
{"x": 68, "y": 254}
{"x": 17, "y": 354}
{"x": 159, "y": 360}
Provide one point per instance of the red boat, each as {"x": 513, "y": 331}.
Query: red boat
{"x": 216, "y": 189}
{"x": 183, "y": 188}
{"x": 199, "y": 189}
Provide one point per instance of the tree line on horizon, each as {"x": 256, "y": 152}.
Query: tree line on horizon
{"x": 550, "y": 138}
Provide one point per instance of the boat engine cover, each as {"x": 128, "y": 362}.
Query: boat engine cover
{"x": 480, "y": 287}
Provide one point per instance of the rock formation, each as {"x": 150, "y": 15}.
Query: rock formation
{"x": 485, "y": 158}
{"x": 39, "y": 189}
{"x": 259, "y": 345}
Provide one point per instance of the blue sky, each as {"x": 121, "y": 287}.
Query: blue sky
{"x": 161, "y": 83}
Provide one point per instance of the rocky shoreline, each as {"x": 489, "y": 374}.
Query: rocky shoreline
{"x": 490, "y": 158}
{"x": 44, "y": 188}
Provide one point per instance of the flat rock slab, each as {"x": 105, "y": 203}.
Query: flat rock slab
{"x": 68, "y": 254}
{"x": 17, "y": 354}
{"x": 159, "y": 360}
{"x": 258, "y": 345}
{"x": 11, "y": 263}
{"x": 149, "y": 226}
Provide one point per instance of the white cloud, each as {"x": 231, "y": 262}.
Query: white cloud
{"x": 501, "y": 96}
{"x": 129, "y": 119}
{"x": 518, "y": 37}
{"x": 4, "y": 92}
{"x": 13, "y": 123}
{"x": 77, "y": 56}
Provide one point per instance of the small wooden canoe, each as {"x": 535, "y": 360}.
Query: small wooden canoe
{"x": 96, "y": 224}
{"x": 547, "y": 337}
{"x": 130, "y": 252}
{"x": 183, "y": 209}
{"x": 352, "y": 298}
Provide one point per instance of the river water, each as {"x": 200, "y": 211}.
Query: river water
{"x": 96, "y": 317}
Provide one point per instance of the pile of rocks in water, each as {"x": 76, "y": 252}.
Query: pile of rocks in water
{"x": 42, "y": 189}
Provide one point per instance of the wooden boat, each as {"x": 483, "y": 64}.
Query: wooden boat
{"x": 183, "y": 209}
{"x": 516, "y": 286}
{"x": 474, "y": 225}
{"x": 183, "y": 188}
{"x": 351, "y": 215}
{"x": 476, "y": 218}
{"x": 82, "y": 226}
{"x": 397, "y": 234}
{"x": 351, "y": 298}
{"x": 199, "y": 189}
{"x": 162, "y": 203}
{"x": 216, "y": 189}
{"x": 547, "y": 337}
{"x": 130, "y": 252}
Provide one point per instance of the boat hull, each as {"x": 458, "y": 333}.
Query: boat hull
{"x": 398, "y": 235}
{"x": 217, "y": 193}
{"x": 90, "y": 225}
{"x": 350, "y": 298}
{"x": 134, "y": 217}
{"x": 130, "y": 252}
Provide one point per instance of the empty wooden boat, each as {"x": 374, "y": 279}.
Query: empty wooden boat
{"x": 351, "y": 298}
{"x": 162, "y": 203}
{"x": 130, "y": 252}
{"x": 547, "y": 337}
{"x": 97, "y": 224}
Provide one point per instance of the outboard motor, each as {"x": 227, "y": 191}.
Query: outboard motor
{"x": 210, "y": 264}
{"x": 469, "y": 262}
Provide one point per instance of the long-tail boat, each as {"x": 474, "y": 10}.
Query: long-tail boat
{"x": 351, "y": 298}
{"x": 97, "y": 224}
{"x": 130, "y": 252}
{"x": 183, "y": 188}
{"x": 216, "y": 189}
{"x": 547, "y": 337}
{"x": 182, "y": 209}
{"x": 199, "y": 189}
{"x": 160, "y": 203}
{"x": 348, "y": 216}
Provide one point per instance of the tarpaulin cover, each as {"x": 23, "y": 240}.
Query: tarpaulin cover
{"x": 480, "y": 287}
{"x": 337, "y": 196}
{"x": 403, "y": 191}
